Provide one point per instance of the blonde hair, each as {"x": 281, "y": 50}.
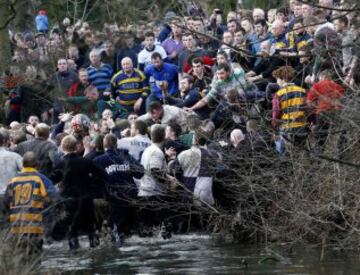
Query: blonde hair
{"x": 68, "y": 143}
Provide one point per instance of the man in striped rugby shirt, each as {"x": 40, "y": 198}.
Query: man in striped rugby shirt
{"x": 129, "y": 87}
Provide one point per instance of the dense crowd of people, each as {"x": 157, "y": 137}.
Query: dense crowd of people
{"x": 143, "y": 115}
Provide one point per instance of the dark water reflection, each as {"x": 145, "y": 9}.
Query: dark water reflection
{"x": 193, "y": 254}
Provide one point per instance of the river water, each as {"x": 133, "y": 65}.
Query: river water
{"x": 194, "y": 254}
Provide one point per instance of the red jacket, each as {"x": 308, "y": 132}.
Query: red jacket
{"x": 76, "y": 89}
{"x": 208, "y": 61}
{"x": 11, "y": 83}
{"x": 325, "y": 95}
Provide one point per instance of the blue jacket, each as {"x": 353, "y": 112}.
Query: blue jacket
{"x": 42, "y": 23}
{"x": 189, "y": 100}
{"x": 120, "y": 168}
{"x": 256, "y": 42}
{"x": 168, "y": 73}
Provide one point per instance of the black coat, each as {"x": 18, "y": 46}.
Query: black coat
{"x": 120, "y": 169}
{"x": 80, "y": 177}
{"x": 80, "y": 182}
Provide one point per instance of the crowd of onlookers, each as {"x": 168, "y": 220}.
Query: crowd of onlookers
{"x": 143, "y": 105}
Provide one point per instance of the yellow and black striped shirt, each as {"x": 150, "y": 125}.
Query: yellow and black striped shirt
{"x": 25, "y": 197}
{"x": 292, "y": 107}
{"x": 128, "y": 89}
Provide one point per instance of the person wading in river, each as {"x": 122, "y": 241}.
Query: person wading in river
{"x": 26, "y": 197}
{"x": 121, "y": 190}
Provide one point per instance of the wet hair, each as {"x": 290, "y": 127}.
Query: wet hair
{"x": 110, "y": 141}
{"x": 286, "y": 73}
{"x": 30, "y": 160}
{"x": 141, "y": 126}
{"x": 157, "y": 133}
{"x": 175, "y": 127}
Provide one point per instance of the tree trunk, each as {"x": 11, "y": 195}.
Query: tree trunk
{"x": 23, "y": 17}
{"x": 5, "y": 52}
